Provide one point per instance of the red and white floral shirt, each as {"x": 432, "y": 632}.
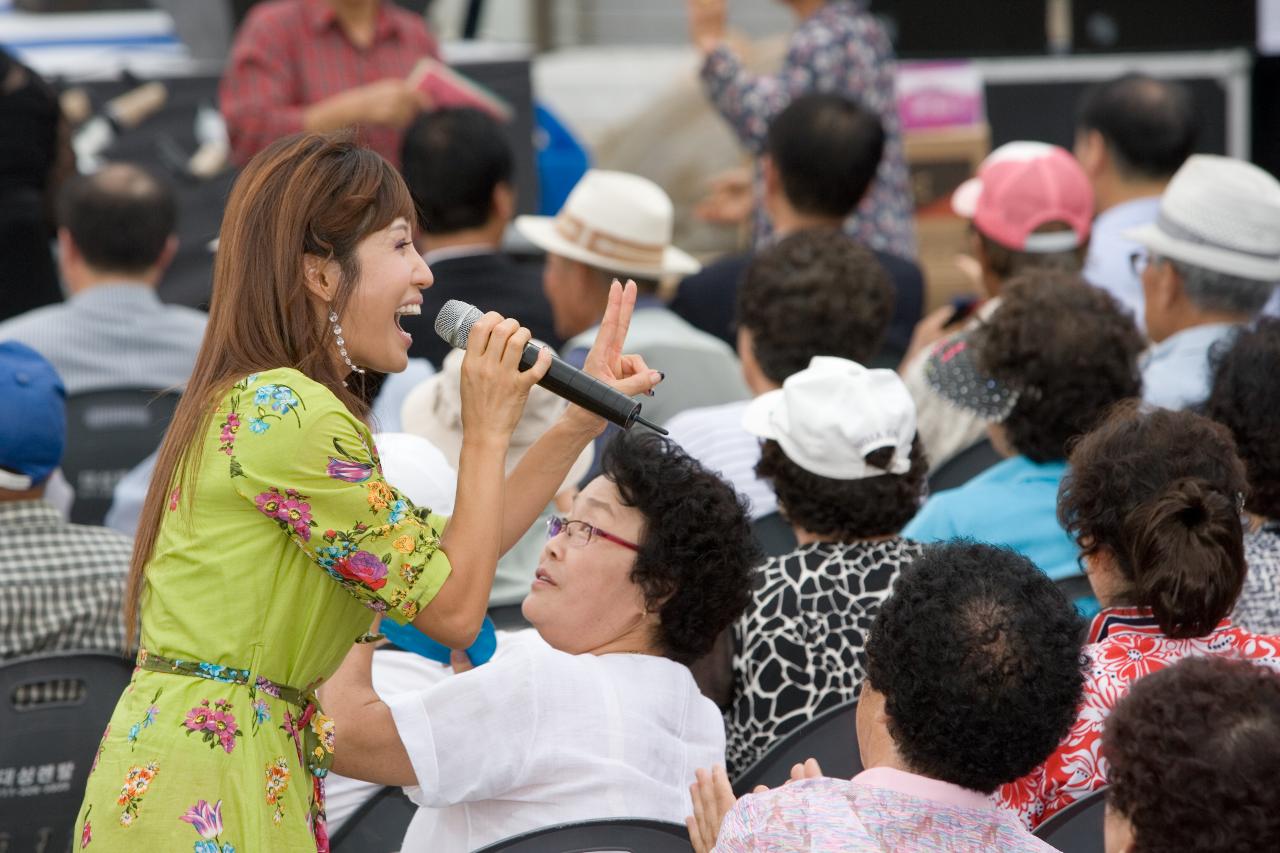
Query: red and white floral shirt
{"x": 1124, "y": 644}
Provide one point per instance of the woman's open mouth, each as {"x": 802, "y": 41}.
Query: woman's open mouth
{"x": 411, "y": 310}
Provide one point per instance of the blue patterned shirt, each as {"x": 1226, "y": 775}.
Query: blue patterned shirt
{"x": 840, "y": 48}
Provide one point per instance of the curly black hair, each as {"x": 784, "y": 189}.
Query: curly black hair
{"x": 1193, "y": 751}
{"x": 1069, "y": 348}
{"x": 1245, "y": 399}
{"x": 697, "y": 553}
{"x": 1161, "y": 491}
{"x": 815, "y": 292}
{"x": 847, "y": 509}
{"x": 977, "y": 654}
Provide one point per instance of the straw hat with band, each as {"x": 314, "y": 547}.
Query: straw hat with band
{"x": 616, "y": 222}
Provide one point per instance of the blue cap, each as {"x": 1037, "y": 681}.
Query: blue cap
{"x": 33, "y": 417}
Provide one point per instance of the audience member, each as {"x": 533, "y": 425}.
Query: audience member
{"x": 594, "y": 714}
{"x": 458, "y": 166}
{"x": 433, "y": 410}
{"x": 1030, "y": 206}
{"x": 837, "y": 47}
{"x": 813, "y": 293}
{"x": 1212, "y": 262}
{"x": 61, "y": 585}
{"x": 820, "y": 156}
{"x": 35, "y": 156}
{"x": 1041, "y": 371}
{"x": 319, "y": 65}
{"x": 973, "y": 674}
{"x": 617, "y": 226}
{"x": 1132, "y": 134}
{"x": 840, "y": 449}
{"x": 1245, "y": 399}
{"x": 115, "y": 241}
{"x": 1153, "y": 499}
{"x": 1193, "y": 751}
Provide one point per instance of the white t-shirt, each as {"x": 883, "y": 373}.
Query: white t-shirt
{"x": 537, "y": 736}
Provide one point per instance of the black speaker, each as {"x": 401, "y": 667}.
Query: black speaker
{"x": 1106, "y": 26}
{"x": 932, "y": 29}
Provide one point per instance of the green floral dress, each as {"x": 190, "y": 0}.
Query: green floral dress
{"x": 260, "y": 581}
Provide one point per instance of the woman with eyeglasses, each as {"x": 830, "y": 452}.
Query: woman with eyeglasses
{"x": 594, "y": 712}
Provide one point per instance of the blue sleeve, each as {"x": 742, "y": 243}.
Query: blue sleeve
{"x": 935, "y": 522}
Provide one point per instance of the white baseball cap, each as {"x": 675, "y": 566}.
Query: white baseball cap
{"x": 828, "y": 417}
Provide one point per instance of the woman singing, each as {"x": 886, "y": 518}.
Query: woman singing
{"x": 269, "y": 533}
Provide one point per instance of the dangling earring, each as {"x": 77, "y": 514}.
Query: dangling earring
{"x": 342, "y": 345}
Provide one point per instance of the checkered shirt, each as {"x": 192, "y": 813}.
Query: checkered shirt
{"x": 61, "y": 587}
{"x": 290, "y": 54}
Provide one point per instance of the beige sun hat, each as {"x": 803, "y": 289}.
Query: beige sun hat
{"x": 433, "y": 410}
{"x": 614, "y": 221}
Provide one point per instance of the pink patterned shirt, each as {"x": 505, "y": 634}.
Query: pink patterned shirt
{"x": 1125, "y": 644}
{"x": 879, "y": 810}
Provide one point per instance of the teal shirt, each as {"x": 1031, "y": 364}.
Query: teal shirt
{"x": 1013, "y": 503}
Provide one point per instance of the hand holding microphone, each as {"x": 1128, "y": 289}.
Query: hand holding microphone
{"x": 602, "y": 388}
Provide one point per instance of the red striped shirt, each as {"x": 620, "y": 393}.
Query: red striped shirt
{"x": 290, "y": 54}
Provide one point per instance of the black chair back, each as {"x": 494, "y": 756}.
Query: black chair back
{"x": 830, "y": 737}
{"x": 964, "y": 466}
{"x": 108, "y": 433}
{"x": 47, "y": 747}
{"x": 1078, "y": 827}
{"x": 774, "y": 535}
{"x": 378, "y": 826}
{"x": 623, "y": 835}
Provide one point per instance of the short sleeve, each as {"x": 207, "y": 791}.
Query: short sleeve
{"x": 300, "y": 459}
{"x": 934, "y": 522}
{"x": 471, "y": 736}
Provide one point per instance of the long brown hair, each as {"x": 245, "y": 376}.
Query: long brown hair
{"x": 315, "y": 194}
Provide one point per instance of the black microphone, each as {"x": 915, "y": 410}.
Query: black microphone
{"x": 454, "y": 322}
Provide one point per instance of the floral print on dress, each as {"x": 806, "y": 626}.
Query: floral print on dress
{"x": 216, "y": 725}
{"x": 261, "y": 714}
{"x": 289, "y": 509}
{"x": 348, "y": 468}
{"x": 277, "y": 783}
{"x": 206, "y": 820}
{"x": 102, "y": 745}
{"x": 147, "y": 721}
{"x": 270, "y": 403}
{"x": 86, "y": 832}
{"x": 136, "y": 783}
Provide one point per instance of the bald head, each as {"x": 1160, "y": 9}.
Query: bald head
{"x": 1149, "y": 126}
{"x": 120, "y": 219}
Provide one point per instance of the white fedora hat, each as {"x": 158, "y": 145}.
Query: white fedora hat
{"x": 615, "y": 221}
{"x": 1220, "y": 214}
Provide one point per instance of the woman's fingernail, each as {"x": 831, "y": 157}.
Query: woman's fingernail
{"x": 657, "y": 375}
{"x": 650, "y": 392}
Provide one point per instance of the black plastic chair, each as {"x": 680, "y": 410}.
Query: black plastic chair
{"x": 47, "y": 747}
{"x": 108, "y": 433}
{"x": 378, "y": 826}
{"x": 964, "y": 466}
{"x": 1078, "y": 827}
{"x": 831, "y": 738}
{"x": 774, "y": 535}
{"x": 621, "y": 834}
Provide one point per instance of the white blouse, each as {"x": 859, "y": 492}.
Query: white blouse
{"x": 537, "y": 737}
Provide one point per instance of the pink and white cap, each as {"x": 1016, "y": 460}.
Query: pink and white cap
{"x": 1023, "y": 185}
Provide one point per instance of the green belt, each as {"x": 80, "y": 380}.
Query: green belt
{"x": 312, "y": 731}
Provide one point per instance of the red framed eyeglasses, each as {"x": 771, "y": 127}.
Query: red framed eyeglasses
{"x": 580, "y": 533}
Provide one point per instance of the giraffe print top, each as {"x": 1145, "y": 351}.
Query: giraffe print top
{"x": 797, "y": 650}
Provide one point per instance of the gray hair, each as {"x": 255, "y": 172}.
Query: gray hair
{"x": 1210, "y": 290}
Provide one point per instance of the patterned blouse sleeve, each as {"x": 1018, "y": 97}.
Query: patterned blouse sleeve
{"x": 300, "y": 459}
{"x": 815, "y": 61}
